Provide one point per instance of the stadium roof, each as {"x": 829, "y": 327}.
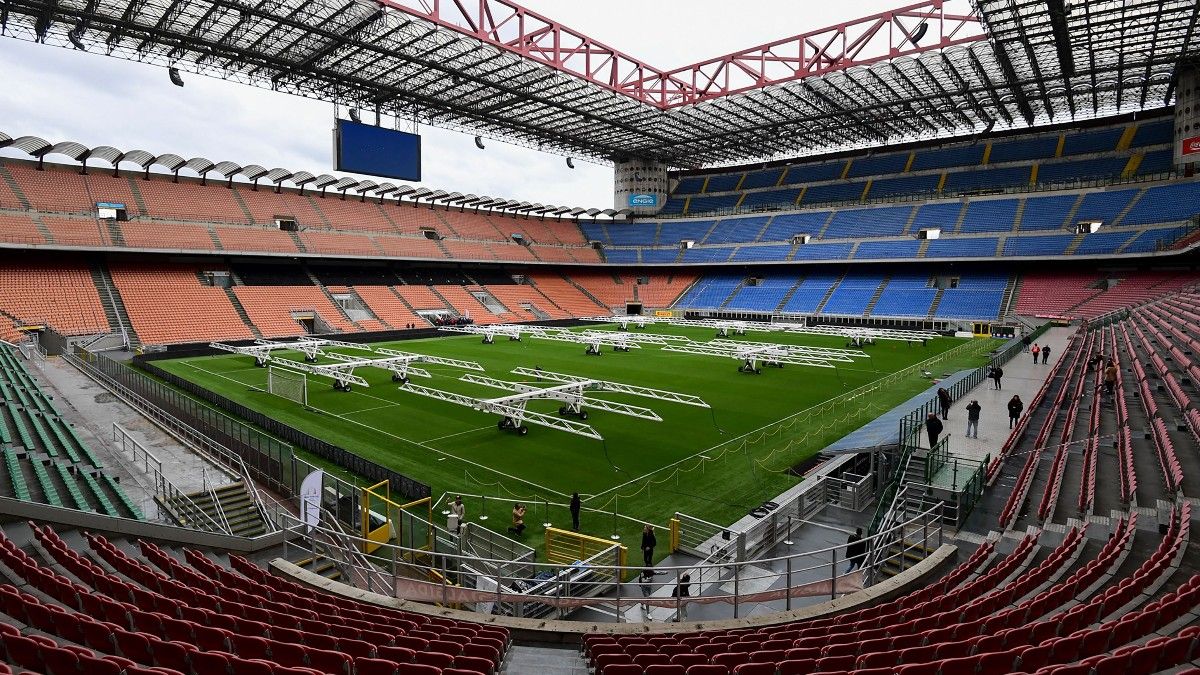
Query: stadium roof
{"x": 494, "y": 68}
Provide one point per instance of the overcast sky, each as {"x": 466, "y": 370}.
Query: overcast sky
{"x": 60, "y": 94}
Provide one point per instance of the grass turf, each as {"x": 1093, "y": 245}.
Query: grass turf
{"x": 456, "y": 449}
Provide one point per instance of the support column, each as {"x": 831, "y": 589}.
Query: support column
{"x": 1187, "y": 120}
{"x": 640, "y": 185}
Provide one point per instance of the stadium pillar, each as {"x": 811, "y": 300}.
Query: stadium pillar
{"x": 639, "y": 185}
{"x": 1187, "y": 119}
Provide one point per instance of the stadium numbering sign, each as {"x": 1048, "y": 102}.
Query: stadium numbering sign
{"x": 375, "y": 151}
{"x": 1191, "y": 146}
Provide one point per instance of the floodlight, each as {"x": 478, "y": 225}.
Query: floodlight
{"x": 355, "y": 116}
{"x": 479, "y": 142}
{"x": 75, "y": 38}
{"x": 176, "y": 78}
{"x": 570, "y": 163}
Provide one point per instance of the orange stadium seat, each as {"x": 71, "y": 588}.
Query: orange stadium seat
{"x": 270, "y": 308}
{"x": 167, "y": 303}
{"x": 467, "y": 305}
{"x": 410, "y": 247}
{"x": 564, "y": 294}
{"x": 410, "y": 219}
{"x": 70, "y": 232}
{"x": 265, "y": 205}
{"x": 421, "y": 297}
{"x": 255, "y": 239}
{"x": 389, "y": 307}
{"x": 338, "y": 243}
{"x": 163, "y": 235}
{"x": 104, "y": 187}
{"x": 57, "y": 188}
{"x": 59, "y": 294}
{"x": 189, "y": 200}
{"x": 513, "y": 297}
{"x": 510, "y": 252}
{"x": 352, "y": 214}
{"x": 19, "y": 229}
{"x": 467, "y": 225}
{"x": 468, "y": 250}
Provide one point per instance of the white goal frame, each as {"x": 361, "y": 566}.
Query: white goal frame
{"x": 292, "y": 375}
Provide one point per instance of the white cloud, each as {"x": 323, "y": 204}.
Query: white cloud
{"x": 62, "y": 94}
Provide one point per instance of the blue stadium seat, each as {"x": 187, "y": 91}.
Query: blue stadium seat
{"x": 637, "y": 233}
{"x": 724, "y": 182}
{"x": 594, "y": 232}
{"x": 823, "y": 252}
{"x": 1042, "y": 146}
{"x": 1099, "y": 167}
{"x": 977, "y": 297}
{"x": 981, "y": 179}
{"x": 995, "y": 215}
{"x": 673, "y": 207}
{"x": 660, "y": 255}
{"x": 1148, "y": 240}
{"x": 1158, "y": 132}
{"x": 944, "y": 216}
{"x": 762, "y": 179}
{"x": 945, "y": 158}
{"x": 811, "y": 173}
{"x": 689, "y": 185}
{"x": 963, "y": 247}
{"x": 1098, "y": 243}
{"x": 623, "y": 255}
{"x": 1165, "y": 204}
{"x": 889, "y": 249}
{"x": 852, "y": 295}
{"x": 710, "y": 292}
{"x": 785, "y": 226}
{"x": 1103, "y": 206}
{"x": 675, "y": 231}
{"x": 904, "y": 185}
{"x": 906, "y": 294}
{"x": 833, "y": 192}
{"x": 878, "y": 165}
{"x": 772, "y": 198}
{"x": 1097, "y": 140}
{"x": 700, "y": 205}
{"x": 1050, "y": 244}
{"x": 809, "y": 293}
{"x": 870, "y": 222}
{"x": 1046, "y": 213}
{"x": 737, "y": 230}
{"x": 762, "y": 298}
{"x": 695, "y": 255}
{"x": 1157, "y": 161}
{"x": 762, "y": 253}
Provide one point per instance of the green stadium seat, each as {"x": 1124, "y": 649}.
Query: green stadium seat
{"x": 113, "y": 485}
{"x": 72, "y": 487}
{"x": 106, "y": 505}
{"x": 49, "y": 492}
{"x": 20, "y": 488}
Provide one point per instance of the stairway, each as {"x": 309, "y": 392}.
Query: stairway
{"x": 829, "y": 293}
{"x": 212, "y": 234}
{"x": 737, "y": 289}
{"x": 229, "y": 505}
{"x": 913, "y": 553}
{"x": 241, "y": 312}
{"x": 337, "y": 305}
{"x": 1011, "y": 293}
{"x": 16, "y": 189}
{"x": 549, "y": 660}
{"x": 585, "y": 291}
{"x": 137, "y": 196}
{"x": 320, "y": 566}
{"x": 1128, "y": 207}
{"x": 317, "y": 208}
{"x": 114, "y": 308}
{"x": 245, "y": 209}
{"x": 1073, "y": 212}
{"x": 1074, "y": 245}
{"x": 937, "y": 300}
{"x": 875, "y": 296}
{"x": 42, "y": 229}
{"x": 787, "y": 297}
{"x": 115, "y": 236}
{"x": 298, "y": 242}
{"x": 1020, "y": 215}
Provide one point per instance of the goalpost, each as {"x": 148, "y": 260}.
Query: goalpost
{"x": 288, "y": 384}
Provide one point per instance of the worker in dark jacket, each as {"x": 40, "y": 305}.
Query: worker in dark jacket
{"x": 933, "y": 426}
{"x": 973, "y": 409}
{"x": 856, "y": 549}
{"x": 1015, "y": 406}
{"x": 576, "y": 504}
{"x": 943, "y": 397}
{"x": 648, "y": 544}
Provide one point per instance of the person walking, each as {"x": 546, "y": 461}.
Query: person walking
{"x": 943, "y": 397}
{"x": 1110, "y": 377}
{"x": 933, "y": 426}
{"x": 682, "y": 590}
{"x": 1025, "y": 343}
{"x": 1035, "y": 351}
{"x": 973, "y": 409}
{"x": 1015, "y": 406}
{"x": 997, "y": 373}
{"x": 648, "y": 544}
{"x": 856, "y": 550}
{"x": 518, "y": 519}
{"x": 644, "y": 580}
{"x": 575, "y": 506}
{"x": 1045, "y": 353}
{"x": 458, "y": 513}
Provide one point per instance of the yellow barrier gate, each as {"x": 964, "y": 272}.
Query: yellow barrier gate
{"x": 384, "y": 520}
{"x": 564, "y": 547}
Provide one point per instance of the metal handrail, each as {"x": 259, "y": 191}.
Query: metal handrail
{"x": 822, "y": 567}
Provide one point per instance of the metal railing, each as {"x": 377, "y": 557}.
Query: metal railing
{"x": 597, "y": 581}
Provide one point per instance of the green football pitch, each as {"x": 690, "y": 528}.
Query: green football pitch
{"x": 712, "y": 463}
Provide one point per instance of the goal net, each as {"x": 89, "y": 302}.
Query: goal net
{"x": 288, "y": 384}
